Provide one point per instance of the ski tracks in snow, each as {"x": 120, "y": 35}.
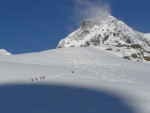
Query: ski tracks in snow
{"x": 84, "y": 60}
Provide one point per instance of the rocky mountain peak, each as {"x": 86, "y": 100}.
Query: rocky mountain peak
{"x": 113, "y": 34}
{"x": 86, "y": 24}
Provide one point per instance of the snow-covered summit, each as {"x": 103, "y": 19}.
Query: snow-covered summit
{"x": 4, "y": 52}
{"x": 112, "y": 34}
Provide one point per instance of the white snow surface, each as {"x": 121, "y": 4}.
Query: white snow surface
{"x": 112, "y": 33}
{"x": 4, "y": 52}
{"x": 76, "y": 80}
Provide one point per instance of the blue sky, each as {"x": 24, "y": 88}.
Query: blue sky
{"x": 36, "y": 25}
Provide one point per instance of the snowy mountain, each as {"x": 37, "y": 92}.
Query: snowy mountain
{"x": 4, "y": 52}
{"x": 111, "y": 34}
{"x": 80, "y": 80}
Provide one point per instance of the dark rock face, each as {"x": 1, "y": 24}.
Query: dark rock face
{"x": 86, "y": 24}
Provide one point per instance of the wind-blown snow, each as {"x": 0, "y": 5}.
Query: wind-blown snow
{"x": 100, "y": 83}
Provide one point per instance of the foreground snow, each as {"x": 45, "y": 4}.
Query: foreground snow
{"x": 101, "y": 82}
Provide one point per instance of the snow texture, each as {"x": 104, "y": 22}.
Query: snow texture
{"x": 4, "y": 52}
{"x": 76, "y": 80}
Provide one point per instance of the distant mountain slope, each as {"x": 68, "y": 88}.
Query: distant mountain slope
{"x": 112, "y": 34}
{"x": 4, "y": 52}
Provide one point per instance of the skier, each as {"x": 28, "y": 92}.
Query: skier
{"x": 36, "y": 79}
{"x": 41, "y": 78}
{"x": 72, "y": 71}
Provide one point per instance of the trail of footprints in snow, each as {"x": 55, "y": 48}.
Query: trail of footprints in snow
{"x": 85, "y": 60}
{"x": 78, "y": 58}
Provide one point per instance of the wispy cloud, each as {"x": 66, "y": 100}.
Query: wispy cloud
{"x": 90, "y": 9}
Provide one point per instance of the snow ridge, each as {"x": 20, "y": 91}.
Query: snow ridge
{"x": 112, "y": 34}
{"x": 4, "y": 52}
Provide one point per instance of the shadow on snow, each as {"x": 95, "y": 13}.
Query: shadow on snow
{"x": 58, "y": 99}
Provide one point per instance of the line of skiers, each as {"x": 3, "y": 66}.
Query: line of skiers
{"x": 43, "y": 77}
{"x": 36, "y": 79}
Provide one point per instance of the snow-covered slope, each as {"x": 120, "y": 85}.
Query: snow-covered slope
{"x": 112, "y": 34}
{"x": 4, "y": 52}
{"x": 73, "y": 80}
